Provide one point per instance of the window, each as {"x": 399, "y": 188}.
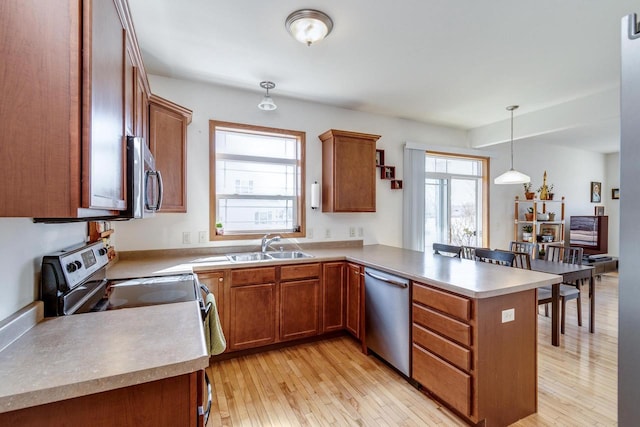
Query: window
{"x": 256, "y": 181}
{"x": 455, "y": 200}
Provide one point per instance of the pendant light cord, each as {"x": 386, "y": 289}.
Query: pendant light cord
{"x": 512, "y": 139}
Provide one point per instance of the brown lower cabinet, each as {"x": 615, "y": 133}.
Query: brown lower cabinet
{"x": 168, "y": 402}
{"x": 355, "y": 289}
{"x": 266, "y": 305}
{"x": 465, "y": 356}
{"x": 333, "y": 296}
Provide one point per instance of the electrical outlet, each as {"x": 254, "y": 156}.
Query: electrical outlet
{"x": 508, "y": 315}
{"x": 202, "y": 236}
{"x": 309, "y": 233}
{"x": 327, "y": 233}
{"x": 360, "y": 232}
{"x": 352, "y": 231}
{"x": 186, "y": 237}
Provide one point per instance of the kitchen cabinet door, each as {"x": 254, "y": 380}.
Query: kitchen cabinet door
{"x": 63, "y": 125}
{"x": 215, "y": 282}
{"x": 253, "y": 320}
{"x": 348, "y": 171}
{"x": 104, "y": 99}
{"x": 354, "y": 318}
{"x": 299, "y": 314}
{"x": 333, "y": 296}
{"x": 168, "y": 144}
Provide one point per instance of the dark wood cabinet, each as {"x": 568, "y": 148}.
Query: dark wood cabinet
{"x": 333, "y": 296}
{"x": 64, "y": 124}
{"x": 354, "y": 300}
{"x": 348, "y": 171}
{"x": 168, "y": 143}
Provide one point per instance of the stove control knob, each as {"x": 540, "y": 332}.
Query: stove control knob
{"x": 78, "y": 264}
{"x": 102, "y": 251}
{"x": 71, "y": 267}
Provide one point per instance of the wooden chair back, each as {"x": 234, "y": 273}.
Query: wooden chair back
{"x": 530, "y": 248}
{"x": 447, "y": 250}
{"x": 469, "y": 252}
{"x": 522, "y": 260}
{"x": 495, "y": 257}
{"x": 566, "y": 254}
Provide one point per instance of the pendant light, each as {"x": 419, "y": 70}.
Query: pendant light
{"x": 512, "y": 176}
{"x": 267, "y": 103}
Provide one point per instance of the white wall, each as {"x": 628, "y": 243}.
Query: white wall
{"x": 22, "y": 245}
{"x": 612, "y": 207}
{"x": 222, "y": 103}
{"x": 570, "y": 170}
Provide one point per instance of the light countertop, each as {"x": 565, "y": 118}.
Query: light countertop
{"x": 70, "y": 356}
{"x": 465, "y": 277}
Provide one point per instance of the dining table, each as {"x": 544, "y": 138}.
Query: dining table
{"x": 570, "y": 273}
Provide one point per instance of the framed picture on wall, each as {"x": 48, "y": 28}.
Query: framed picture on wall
{"x": 599, "y": 211}
{"x": 596, "y": 195}
{"x": 615, "y": 193}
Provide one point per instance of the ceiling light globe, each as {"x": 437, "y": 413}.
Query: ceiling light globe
{"x": 309, "y": 26}
{"x": 267, "y": 104}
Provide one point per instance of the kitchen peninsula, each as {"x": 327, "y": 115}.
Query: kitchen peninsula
{"x": 496, "y": 383}
{"x": 465, "y": 352}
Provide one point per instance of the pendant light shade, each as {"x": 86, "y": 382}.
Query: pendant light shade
{"x": 512, "y": 176}
{"x": 267, "y": 103}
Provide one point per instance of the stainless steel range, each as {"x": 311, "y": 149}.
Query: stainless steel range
{"x": 73, "y": 281}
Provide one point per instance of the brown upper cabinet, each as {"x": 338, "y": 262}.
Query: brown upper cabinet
{"x": 348, "y": 171}
{"x": 67, "y": 85}
{"x": 168, "y": 142}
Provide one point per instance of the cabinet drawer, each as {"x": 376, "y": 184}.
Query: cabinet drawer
{"x": 454, "y": 329}
{"x": 442, "y": 379}
{"x": 250, "y": 276}
{"x": 299, "y": 271}
{"x": 452, "y": 352}
{"x": 454, "y": 305}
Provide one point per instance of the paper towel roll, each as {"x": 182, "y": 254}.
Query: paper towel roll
{"x": 315, "y": 195}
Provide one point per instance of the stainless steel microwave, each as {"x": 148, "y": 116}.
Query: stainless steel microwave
{"x": 144, "y": 182}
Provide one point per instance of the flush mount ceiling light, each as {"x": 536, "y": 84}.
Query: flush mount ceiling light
{"x": 267, "y": 103}
{"x": 309, "y": 26}
{"x": 512, "y": 176}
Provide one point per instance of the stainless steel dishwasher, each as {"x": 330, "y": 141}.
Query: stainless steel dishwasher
{"x": 387, "y": 312}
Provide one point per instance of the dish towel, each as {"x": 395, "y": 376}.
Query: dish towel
{"x": 216, "y": 342}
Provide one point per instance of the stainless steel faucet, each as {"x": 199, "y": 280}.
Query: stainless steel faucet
{"x": 266, "y": 242}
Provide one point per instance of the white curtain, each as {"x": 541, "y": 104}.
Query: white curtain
{"x": 413, "y": 204}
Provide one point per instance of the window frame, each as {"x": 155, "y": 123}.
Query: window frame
{"x": 484, "y": 184}
{"x": 300, "y": 136}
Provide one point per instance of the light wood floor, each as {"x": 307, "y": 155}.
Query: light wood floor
{"x": 331, "y": 383}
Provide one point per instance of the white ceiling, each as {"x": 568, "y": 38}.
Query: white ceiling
{"x": 457, "y": 63}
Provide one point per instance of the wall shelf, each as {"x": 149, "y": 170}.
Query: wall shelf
{"x": 387, "y": 172}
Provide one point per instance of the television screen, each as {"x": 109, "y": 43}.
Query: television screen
{"x": 583, "y": 231}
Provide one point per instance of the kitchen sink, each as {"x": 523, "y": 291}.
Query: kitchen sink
{"x": 248, "y": 256}
{"x": 266, "y": 256}
{"x": 289, "y": 255}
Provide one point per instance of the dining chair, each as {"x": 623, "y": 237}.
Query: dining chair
{"x": 522, "y": 260}
{"x": 568, "y": 291}
{"x": 447, "y": 250}
{"x": 495, "y": 257}
{"x": 528, "y": 247}
{"x": 469, "y": 252}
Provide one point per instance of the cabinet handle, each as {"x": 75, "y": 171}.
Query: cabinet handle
{"x": 389, "y": 281}
{"x": 201, "y": 410}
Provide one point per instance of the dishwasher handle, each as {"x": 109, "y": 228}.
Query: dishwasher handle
{"x": 389, "y": 281}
